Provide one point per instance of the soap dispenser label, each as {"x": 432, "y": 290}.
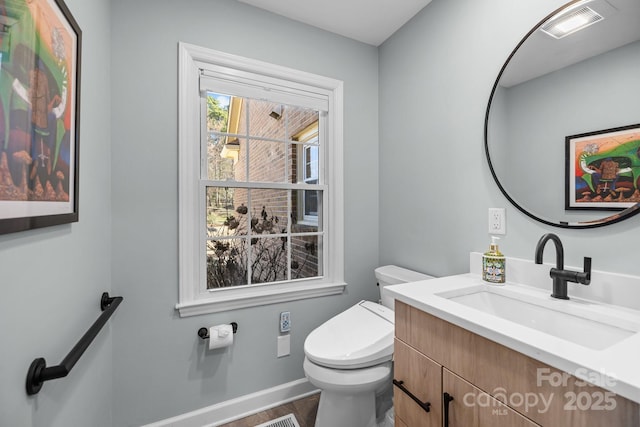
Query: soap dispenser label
{"x": 493, "y": 269}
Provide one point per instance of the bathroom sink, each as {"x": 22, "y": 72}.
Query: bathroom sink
{"x": 586, "y": 323}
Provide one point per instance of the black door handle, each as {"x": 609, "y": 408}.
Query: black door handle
{"x": 447, "y": 399}
{"x": 424, "y": 405}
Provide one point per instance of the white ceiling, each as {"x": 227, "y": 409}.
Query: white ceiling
{"x": 542, "y": 54}
{"x": 368, "y": 21}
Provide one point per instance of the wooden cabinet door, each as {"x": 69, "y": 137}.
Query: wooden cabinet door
{"x": 472, "y": 407}
{"x": 398, "y": 422}
{"x": 421, "y": 377}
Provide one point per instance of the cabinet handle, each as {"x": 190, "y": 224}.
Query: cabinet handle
{"x": 424, "y": 405}
{"x": 447, "y": 398}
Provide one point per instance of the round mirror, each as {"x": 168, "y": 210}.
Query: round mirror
{"x": 562, "y": 128}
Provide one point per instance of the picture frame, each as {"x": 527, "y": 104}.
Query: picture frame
{"x": 40, "y": 52}
{"x": 603, "y": 169}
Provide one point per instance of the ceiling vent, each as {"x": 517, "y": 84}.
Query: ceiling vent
{"x": 568, "y": 23}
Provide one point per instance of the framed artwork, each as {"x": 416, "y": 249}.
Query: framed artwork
{"x": 40, "y": 44}
{"x": 603, "y": 169}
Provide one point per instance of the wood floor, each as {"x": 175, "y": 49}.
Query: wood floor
{"x": 304, "y": 410}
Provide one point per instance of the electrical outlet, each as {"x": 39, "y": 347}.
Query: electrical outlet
{"x": 497, "y": 221}
{"x": 285, "y": 321}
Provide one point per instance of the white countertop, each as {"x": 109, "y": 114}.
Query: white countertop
{"x": 616, "y": 368}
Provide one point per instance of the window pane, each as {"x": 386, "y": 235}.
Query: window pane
{"x": 310, "y": 203}
{"x": 305, "y": 257}
{"x": 302, "y": 124}
{"x": 304, "y": 163}
{"x": 218, "y": 106}
{"x": 266, "y": 119}
{"x": 267, "y": 161}
{"x": 269, "y": 211}
{"x": 293, "y": 161}
{"x": 226, "y": 263}
{"x": 311, "y": 164}
{"x": 226, "y": 211}
{"x": 306, "y": 206}
{"x": 222, "y": 157}
{"x": 268, "y": 259}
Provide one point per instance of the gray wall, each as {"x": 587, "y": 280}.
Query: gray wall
{"x": 436, "y": 75}
{"x": 570, "y": 101}
{"x": 52, "y": 278}
{"x": 161, "y": 368}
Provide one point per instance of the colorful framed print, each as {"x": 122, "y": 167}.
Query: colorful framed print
{"x": 603, "y": 169}
{"x": 39, "y": 114}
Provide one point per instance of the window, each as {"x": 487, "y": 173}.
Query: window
{"x": 260, "y": 183}
{"x": 307, "y": 171}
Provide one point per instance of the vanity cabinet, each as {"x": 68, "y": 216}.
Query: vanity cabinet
{"x": 491, "y": 385}
{"x": 425, "y": 380}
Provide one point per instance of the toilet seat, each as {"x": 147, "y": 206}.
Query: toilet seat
{"x": 359, "y": 337}
{"x": 351, "y": 381}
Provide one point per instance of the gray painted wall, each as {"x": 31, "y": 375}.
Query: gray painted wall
{"x": 161, "y": 368}
{"x": 52, "y": 278}
{"x": 542, "y": 111}
{"x": 436, "y": 75}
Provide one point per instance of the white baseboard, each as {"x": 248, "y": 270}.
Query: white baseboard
{"x": 240, "y": 407}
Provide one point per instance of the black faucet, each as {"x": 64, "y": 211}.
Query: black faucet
{"x": 559, "y": 275}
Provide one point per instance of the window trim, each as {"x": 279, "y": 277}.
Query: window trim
{"x": 192, "y": 300}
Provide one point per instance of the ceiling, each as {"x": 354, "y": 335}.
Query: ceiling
{"x": 541, "y": 54}
{"x": 368, "y": 21}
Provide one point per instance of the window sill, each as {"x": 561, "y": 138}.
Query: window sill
{"x": 308, "y": 222}
{"x": 233, "y": 299}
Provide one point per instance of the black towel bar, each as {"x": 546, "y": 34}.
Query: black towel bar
{"x": 39, "y": 372}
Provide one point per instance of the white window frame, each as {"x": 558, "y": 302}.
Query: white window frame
{"x": 194, "y": 298}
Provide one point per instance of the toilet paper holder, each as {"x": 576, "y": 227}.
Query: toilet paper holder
{"x": 204, "y": 332}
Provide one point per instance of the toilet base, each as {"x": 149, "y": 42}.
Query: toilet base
{"x": 348, "y": 397}
{"x": 343, "y": 410}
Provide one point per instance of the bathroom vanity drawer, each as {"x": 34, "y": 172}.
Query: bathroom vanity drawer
{"x": 422, "y": 378}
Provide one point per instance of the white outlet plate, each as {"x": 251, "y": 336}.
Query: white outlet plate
{"x": 284, "y": 345}
{"x": 497, "y": 221}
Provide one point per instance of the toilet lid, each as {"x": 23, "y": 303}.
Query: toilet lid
{"x": 358, "y": 337}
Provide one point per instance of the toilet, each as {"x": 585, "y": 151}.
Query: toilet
{"x": 349, "y": 357}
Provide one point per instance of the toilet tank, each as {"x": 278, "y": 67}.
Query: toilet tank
{"x": 393, "y": 275}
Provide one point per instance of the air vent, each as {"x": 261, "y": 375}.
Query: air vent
{"x": 286, "y": 421}
{"x": 563, "y": 25}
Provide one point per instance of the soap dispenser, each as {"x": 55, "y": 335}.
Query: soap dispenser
{"x": 494, "y": 264}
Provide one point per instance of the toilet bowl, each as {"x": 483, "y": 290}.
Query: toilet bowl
{"x": 349, "y": 358}
{"x": 347, "y": 399}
